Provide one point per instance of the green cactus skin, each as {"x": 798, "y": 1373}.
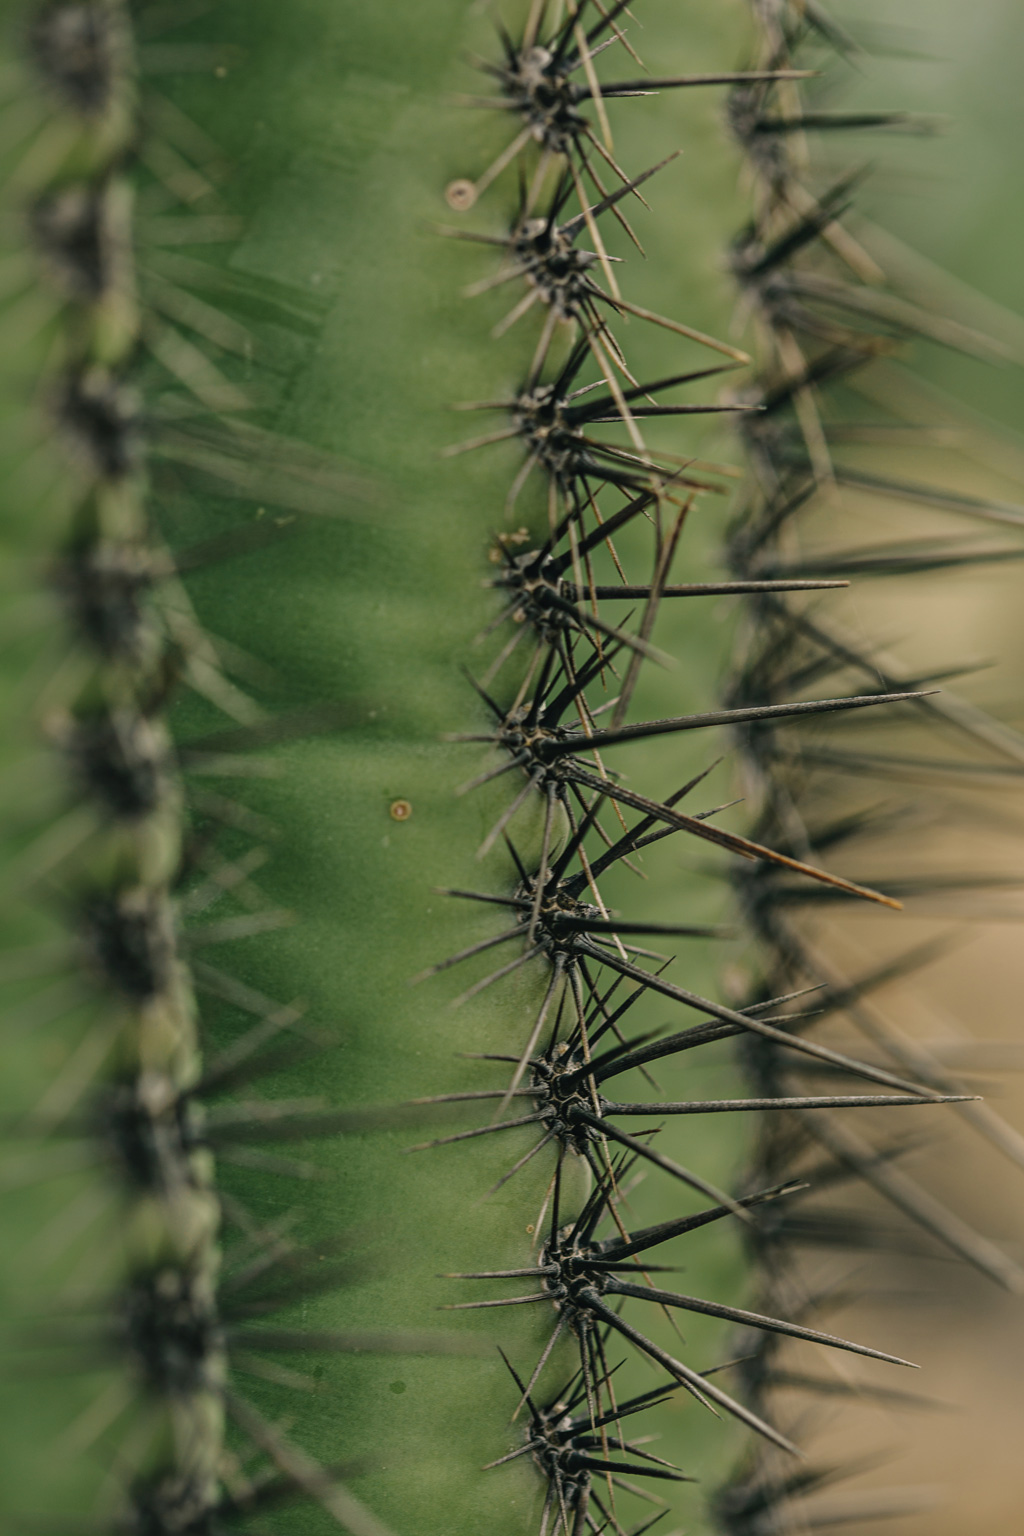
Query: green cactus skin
{"x": 233, "y": 460}
{"x": 435, "y": 513}
{"x": 303, "y": 334}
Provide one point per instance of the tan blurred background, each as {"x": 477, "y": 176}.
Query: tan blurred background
{"x": 962, "y": 201}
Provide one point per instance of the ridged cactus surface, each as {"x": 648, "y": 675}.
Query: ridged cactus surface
{"x": 373, "y": 426}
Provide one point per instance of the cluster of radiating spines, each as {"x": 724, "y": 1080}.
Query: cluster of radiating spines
{"x": 589, "y": 1280}
{"x": 549, "y": 735}
{"x": 548, "y": 80}
{"x": 176, "y": 1322}
{"x": 568, "y": 1447}
{"x": 826, "y": 319}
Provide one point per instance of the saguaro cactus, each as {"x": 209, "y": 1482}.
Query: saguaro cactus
{"x": 834, "y": 336}
{"x": 259, "y": 551}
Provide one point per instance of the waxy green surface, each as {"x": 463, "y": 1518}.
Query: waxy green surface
{"x": 346, "y": 146}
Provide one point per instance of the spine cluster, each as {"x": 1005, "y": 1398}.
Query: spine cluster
{"x": 580, "y": 416}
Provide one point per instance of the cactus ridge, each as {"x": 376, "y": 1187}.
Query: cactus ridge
{"x": 829, "y": 322}
{"x": 109, "y": 181}
{"x": 550, "y": 732}
{"x": 817, "y": 329}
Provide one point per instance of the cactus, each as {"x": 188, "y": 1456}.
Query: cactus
{"x": 833, "y": 337}
{"x": 261, "y": 573}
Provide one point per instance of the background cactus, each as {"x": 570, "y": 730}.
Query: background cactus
{"x": 300, "y": 299}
